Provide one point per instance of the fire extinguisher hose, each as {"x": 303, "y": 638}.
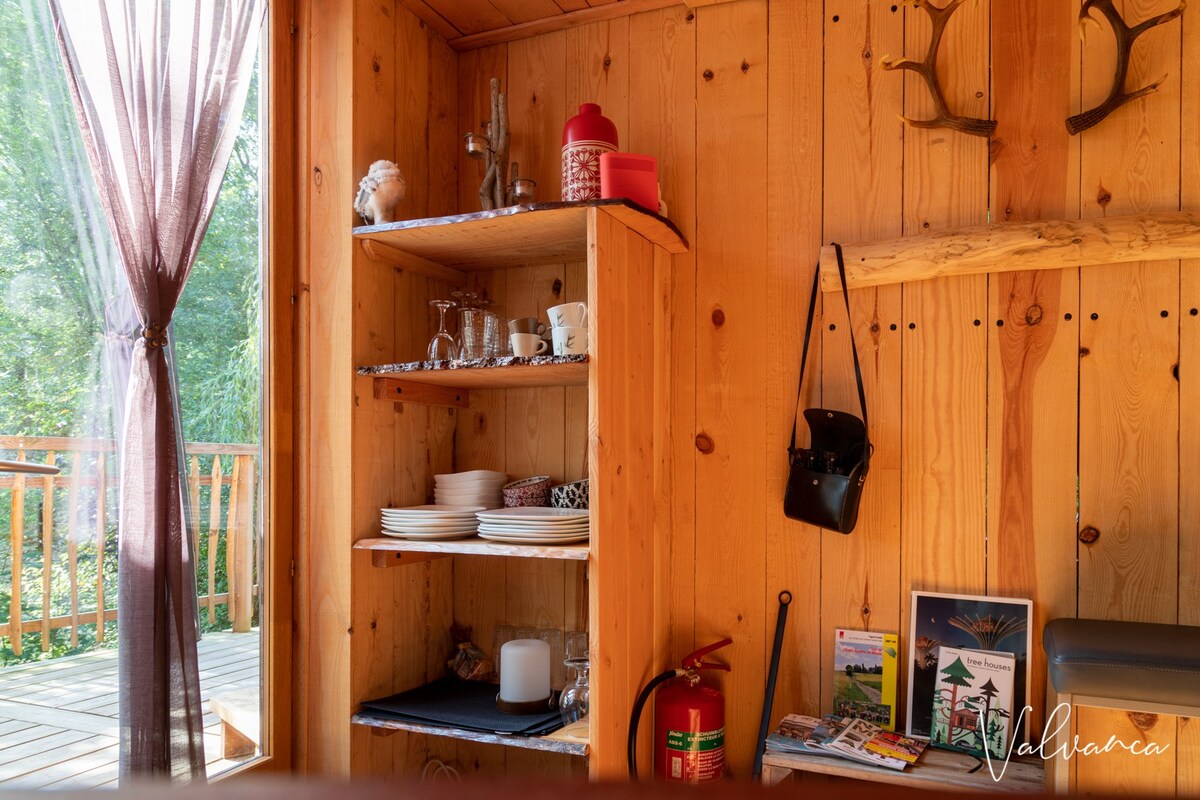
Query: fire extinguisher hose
{"x": 636, "y": 716}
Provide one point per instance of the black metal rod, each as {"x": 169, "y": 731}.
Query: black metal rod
{"x": 764, "y": 726}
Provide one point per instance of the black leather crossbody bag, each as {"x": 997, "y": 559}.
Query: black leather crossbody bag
{"x": 825, "y": 481}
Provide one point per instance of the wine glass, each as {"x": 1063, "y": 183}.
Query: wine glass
{"x": 574, "y": 701}
{"x": 441, "y": 346}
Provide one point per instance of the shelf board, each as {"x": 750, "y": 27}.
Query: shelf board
{"x": 936, "y": 769}
{"x": 509, "y": 372}
{"x": 470, "y": 547}
{"x": 1015, "y": 246}
{"x": 545, "y": 743}
{"x": 517, "y": 236}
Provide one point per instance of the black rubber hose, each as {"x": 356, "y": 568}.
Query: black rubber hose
{"x": 636, "y": 717}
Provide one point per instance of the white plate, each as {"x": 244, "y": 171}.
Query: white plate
{"x": 471, "y": 475}
{"x": 430, "y": 526}
{"x": 430, "y": 536}
{"x": 433, "y": 511}
{"x": 514, "y": 539}
{"x": 533, "y": 530}
{"x": 467, "y": 498}
{"x": 429, "y": 516}
{"x": 540, "y": 514}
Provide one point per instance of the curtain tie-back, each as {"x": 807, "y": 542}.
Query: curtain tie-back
{"x": 154, "y": 335}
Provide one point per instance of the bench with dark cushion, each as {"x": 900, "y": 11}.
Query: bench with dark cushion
{"x": 1130, "y": 666}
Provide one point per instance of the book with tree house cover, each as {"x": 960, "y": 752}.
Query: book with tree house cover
{"x": 973, "y": 701}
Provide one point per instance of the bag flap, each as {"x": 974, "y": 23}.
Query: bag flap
{"x": 834, "y": 430}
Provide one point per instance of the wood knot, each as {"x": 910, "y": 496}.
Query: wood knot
{"x": 318, "y": 177}
{"x": 1089, "y": 535}
{"x": 607, "y": 62}
{"x": 1083, "y": 351}
{"x": 1143, "y": 722}
{"x": 704, "y": 443}
{"x": 556, "y": 287}
{"x": 1033, "y": 315}
{"x": 1103, "y": 197}
{"x": 707, "y": 74}
{"x": 718, "y": 317}
{"x": 745, "y": 66}
{"x": 690, "y": 16}
{"x": 375, "y": 67}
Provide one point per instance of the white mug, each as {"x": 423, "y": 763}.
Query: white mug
{"x": 528, "y": 344}
{"x": 568, "y": 315}
{"x": 569, "y": 340}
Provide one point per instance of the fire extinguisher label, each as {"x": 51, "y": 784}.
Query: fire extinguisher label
{"x": 696, "y": 756}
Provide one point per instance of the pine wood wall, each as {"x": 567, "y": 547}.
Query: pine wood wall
{"x": 776, "y": 131}
{"x": 1001, "y": 407}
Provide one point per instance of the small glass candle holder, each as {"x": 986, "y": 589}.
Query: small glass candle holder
{"x": 477, "y": 144}
{"x": 522, "y": 190}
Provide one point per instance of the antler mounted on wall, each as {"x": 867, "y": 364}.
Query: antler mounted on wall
{"x": 1126, "y": 36}
{"x": 927, "y": 69}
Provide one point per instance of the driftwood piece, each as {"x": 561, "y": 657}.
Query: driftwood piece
{"x": 493, "y": 191}
{"x": 1125, "y": 36}
{"x": 927, "y": 69}
{"x": 1013, "y": 246}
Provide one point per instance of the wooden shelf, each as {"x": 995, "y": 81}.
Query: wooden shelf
{"x": 517, "y": 236}
{"x": 445, "y": 383}
{"x": 936, "y": 769}
{"x": 546, "y": 743}
{"x": 388, "y": 551}
{"x": 1015, "y": 246}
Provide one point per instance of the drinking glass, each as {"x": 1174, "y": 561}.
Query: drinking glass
{"x": 558, "y": 670}
{"x": 494, "y": 342}
{"x": 574, "y": 701}
{"x": 472, "y": 329}
{"x": 441, "y": 346}
{"x": 503, "y": 633}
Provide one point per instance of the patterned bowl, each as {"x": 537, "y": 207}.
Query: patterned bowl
{"x": 570, "y": 495}
{"x": 528, "y": 492}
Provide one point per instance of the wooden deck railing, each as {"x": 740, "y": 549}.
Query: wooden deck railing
{"x": 74, "y": 512}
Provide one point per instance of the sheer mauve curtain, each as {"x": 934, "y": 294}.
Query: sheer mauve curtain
{"x": 158, "y": 88}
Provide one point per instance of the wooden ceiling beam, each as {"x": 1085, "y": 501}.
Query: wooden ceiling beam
{"x": 524, "y": 30}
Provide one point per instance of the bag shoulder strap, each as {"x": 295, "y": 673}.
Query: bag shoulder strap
{"x": 812, "y": 310}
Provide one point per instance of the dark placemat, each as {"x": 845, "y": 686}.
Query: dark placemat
{"x": 462, "y": 704}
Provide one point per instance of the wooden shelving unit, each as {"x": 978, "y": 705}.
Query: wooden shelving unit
{"x": 516, "y": 415}
{"x": 388, "y": 551}
{"x": 936, "y": 769}
{"x": 544, "y": 743}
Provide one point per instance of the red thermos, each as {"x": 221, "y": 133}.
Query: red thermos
{"x": 586, "y": 136}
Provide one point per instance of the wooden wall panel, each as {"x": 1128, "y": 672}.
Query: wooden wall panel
{"x": 662, "y": 89}
{"x": 1129, "y": 412}
{"x": 1189, "y": 345}
{"x": 863, "y": 157}
{"x": 943, "y": 421}
{"x": 732, "y": 348}
{"x": 1033, "y": 359}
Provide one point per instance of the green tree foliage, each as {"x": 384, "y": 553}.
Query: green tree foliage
{"x": 49, "y": 328}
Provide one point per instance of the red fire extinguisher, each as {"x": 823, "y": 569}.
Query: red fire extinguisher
{"x": 689, "y": 723}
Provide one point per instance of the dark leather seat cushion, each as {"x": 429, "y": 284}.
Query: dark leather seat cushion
{"x": 1142, "y": 661}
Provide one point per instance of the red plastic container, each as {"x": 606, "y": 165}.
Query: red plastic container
{"x": 586, "y": 136}
{"x": 632, "y": 176}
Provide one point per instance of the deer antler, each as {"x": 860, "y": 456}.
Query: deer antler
{"x": 927, "y": 69}
{"x": 1125, "y": 36}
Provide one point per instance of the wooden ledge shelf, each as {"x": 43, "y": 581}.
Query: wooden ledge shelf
{"x": 546, "y": 743}
{"x": 1015, "y": 246}
{"x": 446, "y": 383}
{"x": 936, "y": 769}
{"x": 389, "y": 552}
{"x": 518, "y": 236}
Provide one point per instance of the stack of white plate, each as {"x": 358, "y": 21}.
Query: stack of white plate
{"x": 430, "y": 522}
{"x": 479, "y": 487}
{"x": 534, "y": 525}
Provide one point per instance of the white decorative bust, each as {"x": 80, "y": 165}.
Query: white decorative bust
{"x": 380, "y": 192}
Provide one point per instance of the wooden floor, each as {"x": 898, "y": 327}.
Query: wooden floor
{"x": 58, "y": 719}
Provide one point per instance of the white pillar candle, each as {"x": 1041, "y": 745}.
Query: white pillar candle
{"x": 524, "y": 671}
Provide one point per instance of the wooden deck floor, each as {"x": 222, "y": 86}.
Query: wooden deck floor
{"x": 58, "y": 719}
